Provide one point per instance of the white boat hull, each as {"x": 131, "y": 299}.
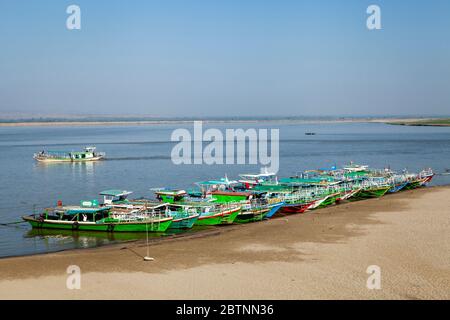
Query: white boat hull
{"x": 48, "y": 160}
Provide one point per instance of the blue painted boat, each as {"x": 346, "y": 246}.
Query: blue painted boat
{"x": 397, "y": 187}
{"x": 274, "y": 208}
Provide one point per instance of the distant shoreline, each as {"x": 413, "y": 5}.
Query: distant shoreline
{"x": 68, "y": 123}
{"x": 423, "y": 123}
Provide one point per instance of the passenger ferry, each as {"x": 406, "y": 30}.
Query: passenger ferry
{"x": 89, "y": 154}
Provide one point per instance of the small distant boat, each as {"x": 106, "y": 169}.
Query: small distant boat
{"x": 89, "y": 154}
{"x": 310, "y": 133}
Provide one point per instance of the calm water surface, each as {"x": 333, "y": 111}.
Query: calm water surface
{"x": 139, "y": 159}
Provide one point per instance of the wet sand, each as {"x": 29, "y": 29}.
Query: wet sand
{"x": 322, "y": 254}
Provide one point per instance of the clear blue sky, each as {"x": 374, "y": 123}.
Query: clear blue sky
{"x": 225, "y": 58}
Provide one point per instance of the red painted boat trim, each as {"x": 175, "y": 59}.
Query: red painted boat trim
{"x": 300, "y": 208}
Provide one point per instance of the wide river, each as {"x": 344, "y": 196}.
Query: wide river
{"x": 139, "y": 158}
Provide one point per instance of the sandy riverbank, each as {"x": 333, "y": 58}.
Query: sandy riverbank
{"x": 319, "y": 255}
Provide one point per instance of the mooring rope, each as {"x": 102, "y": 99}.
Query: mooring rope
{"x": 10, "y": 223}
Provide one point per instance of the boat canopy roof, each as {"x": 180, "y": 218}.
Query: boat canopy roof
{"x": 116, "y": 193}
{"x": 272, "y": 187}
{"x": 356, "y": 174}
{"x": 80, "y": 152}
{"x": 257, "y": 176}
{"x": 195, "y": 192}
{"x": 306, "y": 180}
{"x": 56, "y": 152}
{"x": 217, "y": 182}
{"x": 77, "y": 210}
{"x": 232, "y": 193}
{"x": 263, "y": 174}
{"x": 67, "y": 152}
{"x": 173, "y": 192}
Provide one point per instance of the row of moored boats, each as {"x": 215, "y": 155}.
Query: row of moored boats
{"x": 253, "y": 197}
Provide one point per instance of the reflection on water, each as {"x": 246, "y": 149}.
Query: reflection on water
{"x": 84, "y": 239}
{"x": 51, "y": 238}
{"x": 80, "y": 172}
{"x": 87, "y": 167}
{"x": 157, "y": 157}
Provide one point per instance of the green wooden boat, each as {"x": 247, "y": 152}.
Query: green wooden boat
{"x": 182, "y": 219}
{"x": 98, "y": 219}
{"x": 230, "y": 196}
{"x": 218, "y": 216}
{"x": 329, "y": 200}
{"x": 415, "y": 183}
{"x": 370, "y": 192}
{"x": 209, "y": 211}
{"x": 117, "y": 199}
{"x": 254, "y": 206}
{"x": 252, "y": 214}
{"x": 347, "y": 194}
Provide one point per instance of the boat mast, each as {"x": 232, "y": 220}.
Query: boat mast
{"x": 147, "y": 257}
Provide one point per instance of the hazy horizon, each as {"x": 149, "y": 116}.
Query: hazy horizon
{"x": 225, "y": 59}
{"x": 144, "y": 117}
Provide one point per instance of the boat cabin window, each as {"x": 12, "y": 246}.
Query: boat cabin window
{"x": 108, "y": 199}
{"x": 173, "y": 208}
{"x": 68, "y": 217}
{"x": 100, "y": 215}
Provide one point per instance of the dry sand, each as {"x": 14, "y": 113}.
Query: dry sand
{"x": 323, "y": 254}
